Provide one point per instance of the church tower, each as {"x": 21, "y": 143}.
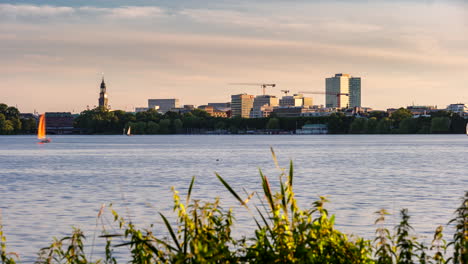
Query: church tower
{"x": 103, "y": 101}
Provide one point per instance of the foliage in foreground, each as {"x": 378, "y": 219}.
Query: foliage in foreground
{"x": 285, "y": 233}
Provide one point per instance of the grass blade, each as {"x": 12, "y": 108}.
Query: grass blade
{"x": 190, "y": 190}
{"x": 231, "y": 190}
{"x": 171, "y": 232}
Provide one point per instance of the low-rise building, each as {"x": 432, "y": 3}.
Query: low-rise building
{"x": 59, "y": 123}
{"x": 460, "y": 108}
{"x": 163, "y": 104}
{"x": 313, "y": 129}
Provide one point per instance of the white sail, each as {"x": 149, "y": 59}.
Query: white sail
{"x": 128, "y": 131}
{"x": 466, "y": 131}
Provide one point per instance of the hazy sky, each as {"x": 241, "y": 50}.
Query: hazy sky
{"x": 52, "y": 53}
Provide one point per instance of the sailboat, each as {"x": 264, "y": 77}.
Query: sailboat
{"x": 466, "y": 129}
{"x": 129, "y": 133}
{"x": 41, "y": 130}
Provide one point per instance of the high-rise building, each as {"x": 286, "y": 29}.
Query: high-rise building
{"x": 164, "y": 104}
{"x": 103, "y": 100}
{"x": 343, "y": 90}
{"x": 355, "y": 92}
{"x": 241, "y": 105}
{"x": 262, "y": 104}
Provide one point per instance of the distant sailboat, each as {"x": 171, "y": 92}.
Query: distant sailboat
{"x": 129, "y": 133}
{"x": 41, "y": 130}
{"x": 466, "y": 130}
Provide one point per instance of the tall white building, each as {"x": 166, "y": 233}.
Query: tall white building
{"x": 343, "y": 90}
{"x": 163, "y": 104}
{"x": 241, "y": 105}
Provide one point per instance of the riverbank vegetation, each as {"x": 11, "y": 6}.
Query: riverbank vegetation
{"x": 11, "y": 123}
{"x": 101, "y": 121}
{"x": 202, "y": 232}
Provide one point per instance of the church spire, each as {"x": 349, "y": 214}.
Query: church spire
{"x": 103, "y": 101}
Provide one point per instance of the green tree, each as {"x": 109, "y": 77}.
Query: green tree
{"x": 164, "y": 125}
{"x": 408, "y": 126}
{"x": 400, "y": 115}
{"x": 384, "y": 126}
{"x": 372, "y": 125}
{"x": 178, "y": 125}
{"x": 139, "y": 127}
{"x": 358, "y": 126}
{"x": 273, "y": 123}
{"x": 220, "y": 125}
{"x": 28, "y": 125}
{"x": 152, "y": 128}
{"x": 440, "y": 125}
{"x": 8, "y": 127}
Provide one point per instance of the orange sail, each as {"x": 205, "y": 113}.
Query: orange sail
{"x": 41, "y": 129}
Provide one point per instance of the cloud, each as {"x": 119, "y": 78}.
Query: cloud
{"x": 29, "y": 12}
{"x": 9, "y": 10}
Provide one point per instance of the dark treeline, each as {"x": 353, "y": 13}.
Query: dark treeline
{"x": 101, "y": 121}
{"x": 11, "y": 123}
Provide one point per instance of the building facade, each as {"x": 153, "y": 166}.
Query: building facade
{"x": 295, "y": 100}
{"x": 263, "y": 105}
{"x": 103, "y": 100}
{"x": 164, "y": 104}
{"x": 343, "y": 90}
{"x": 241, "y": 105}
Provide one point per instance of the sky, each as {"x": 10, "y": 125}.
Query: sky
{"x": 53, "y": 53}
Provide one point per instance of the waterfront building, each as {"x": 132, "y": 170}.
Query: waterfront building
{"x": 241, "y": 105}
{"x": 422, "y": 109}
{"x": 460, "y": 109}
{"x": 343, "y": 84}
{"x": 293, "y": 111}
{"x": 60, "y": 123}
{"x": 103, "y": 100}
{"x": 163, "y": 104}
{"x": 313, "y": 129}
{"x": 263, "y": 105}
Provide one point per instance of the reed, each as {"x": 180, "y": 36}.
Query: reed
{"x": 285, "y": 233}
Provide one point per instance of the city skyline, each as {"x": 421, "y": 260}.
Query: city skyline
{"x": 405, "y": 51}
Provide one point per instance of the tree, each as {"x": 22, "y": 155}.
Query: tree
{"x": 384, "y": 126}
{"x": 399, "y": 115}
{"x": 372, "y": 125}
{"x": 164, "y": 126}
{"x": 139, "y": 127}
{"x": 178, "y": 125}
{"x": 152, "y": 127}
{"x": 440, "y": 125}
{"x": 28, "y": 125}
{"x": 273, "y": 123}
{"x": 358, "y": 126}
{"x": 408, "y": 126}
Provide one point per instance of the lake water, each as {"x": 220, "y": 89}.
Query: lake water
{"x": 45, "y": 190}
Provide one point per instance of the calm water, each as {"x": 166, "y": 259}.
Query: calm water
{"x": 45, "y": 190}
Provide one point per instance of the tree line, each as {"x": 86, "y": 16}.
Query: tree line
{"x": 11, "y": 123}
{"x": 102, "y": 121}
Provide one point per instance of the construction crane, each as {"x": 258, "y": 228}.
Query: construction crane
{"x": 262, "y": 85}
{"x": 338, "y": 101}
{"x": 285, "y": 92}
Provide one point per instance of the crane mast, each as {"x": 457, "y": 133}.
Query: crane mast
{"x": 262, "y": 85}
